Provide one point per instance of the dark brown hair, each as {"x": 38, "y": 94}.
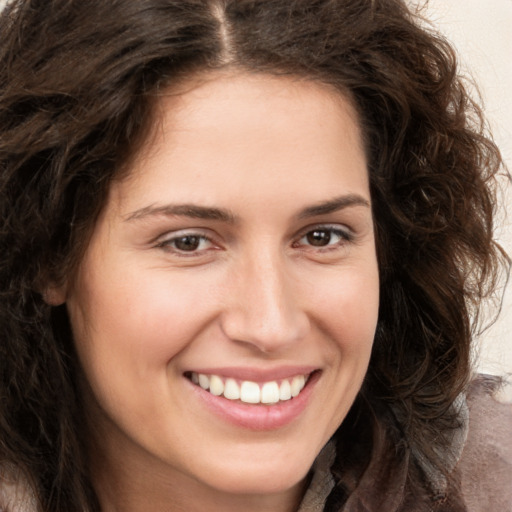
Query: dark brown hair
{"x": 78, "y": 82}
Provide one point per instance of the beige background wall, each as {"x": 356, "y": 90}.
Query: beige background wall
{"x": 481, "y": 31}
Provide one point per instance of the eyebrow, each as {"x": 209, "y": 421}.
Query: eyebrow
{"x": 183, "y": 210}
{"x": 334, "y": 205}
{"x": 211, "y": 213}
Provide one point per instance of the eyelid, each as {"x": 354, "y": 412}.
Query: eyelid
{"x": 339, "y": 229}
{"x": 164, "y": 241}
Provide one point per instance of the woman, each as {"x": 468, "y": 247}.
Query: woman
{"x": 243, "y": 244}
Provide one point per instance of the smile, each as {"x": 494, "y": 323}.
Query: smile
{"x": 249, "y": 392}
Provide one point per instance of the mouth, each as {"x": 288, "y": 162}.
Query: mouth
{"x": 249, "y": 392}
{"x": 254, "y": 399}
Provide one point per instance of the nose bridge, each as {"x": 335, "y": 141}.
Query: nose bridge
{"x": 264, "y": 310}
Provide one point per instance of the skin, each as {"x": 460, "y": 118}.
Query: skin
{"x": 255, "y": 293}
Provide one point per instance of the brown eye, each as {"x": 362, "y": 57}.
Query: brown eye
{"x": 187, "y": 243}
{"x": 319, "y": 237}
{"x": 191, "y": 244}
{"x": 325, "y": 237}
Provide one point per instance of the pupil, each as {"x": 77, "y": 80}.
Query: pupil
{"x": 187, "y": 243}
{"x": 319, "y": 238}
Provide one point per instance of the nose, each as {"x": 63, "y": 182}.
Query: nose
{"x": 264, "y": 308}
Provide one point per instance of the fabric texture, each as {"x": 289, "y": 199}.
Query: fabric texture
{"x": 486, "y": 462}
{"x": 481, "y": 454}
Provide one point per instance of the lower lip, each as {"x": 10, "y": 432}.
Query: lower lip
{"x": 258, "y": 417}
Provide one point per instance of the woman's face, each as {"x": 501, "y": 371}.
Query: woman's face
{"x": 238, "y": 255}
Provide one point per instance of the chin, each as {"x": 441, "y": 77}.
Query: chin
{"x": 277, "y": 477}
{"x": 259, "y": 485}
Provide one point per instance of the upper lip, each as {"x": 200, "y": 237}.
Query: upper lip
{"x": 257, "y": 374}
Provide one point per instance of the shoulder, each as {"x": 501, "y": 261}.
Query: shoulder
{"x": 15, "y": 493}
{"x": 485, "y": 466}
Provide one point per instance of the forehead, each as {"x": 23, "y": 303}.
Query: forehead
{"x": 225, "y": 130}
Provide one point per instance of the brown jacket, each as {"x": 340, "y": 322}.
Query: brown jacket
{"x": 483, "y": 461}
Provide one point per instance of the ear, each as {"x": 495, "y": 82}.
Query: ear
{"x": 55, "y": 295}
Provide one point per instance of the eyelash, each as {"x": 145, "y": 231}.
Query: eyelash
{"x": 344, "y": 236}
{"x": 167, "y": 244}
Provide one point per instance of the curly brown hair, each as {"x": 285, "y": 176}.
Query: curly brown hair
{"x": 79, "y": 80}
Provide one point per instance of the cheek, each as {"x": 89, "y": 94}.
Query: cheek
{"x": 127, "y": 330}
{"x": 346, "y": 306}
{"x": 134, "y": 323}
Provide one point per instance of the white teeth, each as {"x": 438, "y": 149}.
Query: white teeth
{"x": 231, "y": 390}
{"x": 204, "y": 381}
{"x": 216, "y": 385}
{"x": 248, "y": 391}
{"x": 285, "y": 390}
{"x": 270, "y": 393}
{"x": 297, "y": 385}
